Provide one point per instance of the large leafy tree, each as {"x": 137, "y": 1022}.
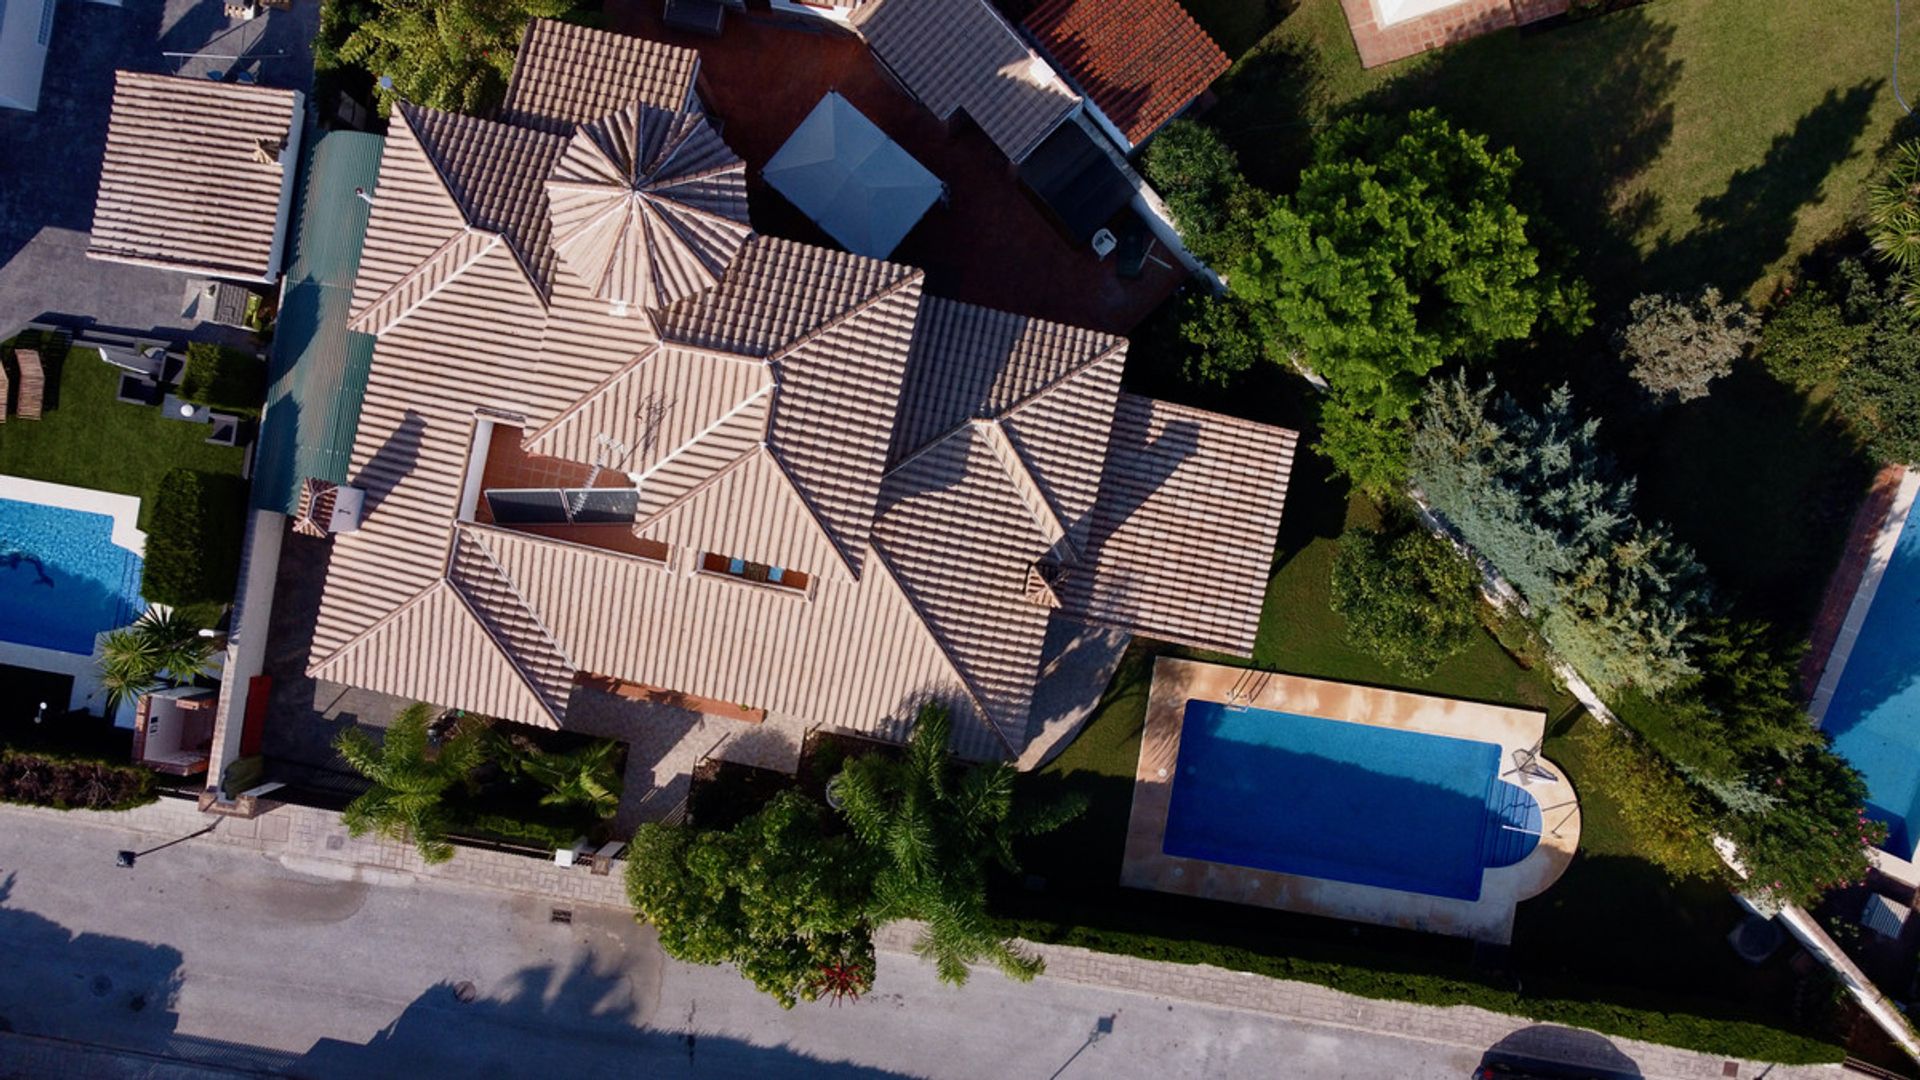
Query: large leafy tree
{"x": 411, "y": 779}
{"x": 1198, "y": 174}
{"x": 936, "y": 829}
{"x": 1676, "y": 346}
{"x": 776, "y": 896}
{"x": 1407, "y": 596}
{"x": 1401, "y": 250}
{"x": 446, "y": 54}
{"x": 1535, "y": 495}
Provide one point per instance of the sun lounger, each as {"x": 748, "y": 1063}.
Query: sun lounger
{"x": 33, "y": 382}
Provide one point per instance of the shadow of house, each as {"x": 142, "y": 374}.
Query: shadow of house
{"x": 579, "y": 1021}
{"x": 391, "y": 462}
{"x": 89, "y": 987}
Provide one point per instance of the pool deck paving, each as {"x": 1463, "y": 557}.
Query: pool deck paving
{"x": 1488, "y": 919}
{"x": 312, "y": 841}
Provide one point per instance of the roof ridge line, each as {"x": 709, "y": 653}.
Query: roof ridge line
{"x": 460, "y": 530}
{"x": 359, "y": 322}
{"x": 1065, "y": 377}
{"x": 625, "y": 369}
{"x": 946, "y": 653}
{"x": 675, "y": 181}
{"x": 647, "y": 193}
{"x": 459, "y": 206}
{"x": 313, "y": 668}
{"x": 710, "y": 429}
{"x": 806, "y": 503}
{"x": 687, "y": 496}
{"x": 1008, "y": 452}
{"x": 914, "y": 276}
{"x": 500, "y": 647}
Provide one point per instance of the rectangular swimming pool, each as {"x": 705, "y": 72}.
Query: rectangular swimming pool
{"x": 1874, "y": 715}
{"x": 1343, "y": 801}
{"x": 62, "y": 578}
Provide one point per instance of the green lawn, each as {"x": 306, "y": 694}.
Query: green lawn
{"x": 87, "y": 439}
{"x": 1673, "y": 143}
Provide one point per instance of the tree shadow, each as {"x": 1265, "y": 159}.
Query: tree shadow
{"x": 585, "y": 1020}
{"x": 1747, "y": 228}
{"x": 1582, "y": 166}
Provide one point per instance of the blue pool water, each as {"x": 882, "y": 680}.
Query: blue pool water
{"x": 62, "y": 579}
{"x": 1344, "y": 802}
{"x": 1874, "y": 716}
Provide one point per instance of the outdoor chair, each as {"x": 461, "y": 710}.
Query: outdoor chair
{"x": 33, "y": 383}
{"x": 6, "y": 393}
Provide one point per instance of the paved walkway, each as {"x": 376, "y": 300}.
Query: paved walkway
{"x": 314, "y": 841}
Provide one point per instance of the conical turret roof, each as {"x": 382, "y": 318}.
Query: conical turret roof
{"x": 648, "y": 206}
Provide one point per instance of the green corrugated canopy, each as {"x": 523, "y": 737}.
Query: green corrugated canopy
{"x": 318, "y": 367}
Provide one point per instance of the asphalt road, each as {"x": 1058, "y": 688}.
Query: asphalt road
{"x": 222, "y": 956}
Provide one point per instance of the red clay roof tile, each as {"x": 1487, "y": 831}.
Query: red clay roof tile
{"x": 1141, "y": 61}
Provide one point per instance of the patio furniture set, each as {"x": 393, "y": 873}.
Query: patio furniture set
{"x": 147, "y": 374}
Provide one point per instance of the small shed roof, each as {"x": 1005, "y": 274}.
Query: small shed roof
{"x": 962, "y": 56}
{"x": 844, "y": 173}
{"x": 1884, "y": 916}
{"x": 1140, "y": 61}
{"x": 198, "y": 175}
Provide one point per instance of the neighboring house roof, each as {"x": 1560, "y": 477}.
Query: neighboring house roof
{"x": 939, "y": 471}
{"x": 565, "y": 75}
{"x": 198, "y": 175}
{"x": 1139, "y": 61}
{"x": 317, "y": 371}
{"x": 842, "y": 171}
{"x": 961, "y": 56}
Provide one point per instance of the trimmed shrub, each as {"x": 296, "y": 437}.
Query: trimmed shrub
{"x": 1408, "y": 597}
{"x": 65, "y": 783}
{"x": 1678, "y": 345}
{"x": 224, "y": 379}
{"x": 193, "y": 539}
{"x": 1671, "y": 826}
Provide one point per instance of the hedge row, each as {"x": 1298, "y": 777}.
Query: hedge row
{"x": 72, "y": 783}
{"x": 1734, "y": 1038}
{"x": 193, "y": 538}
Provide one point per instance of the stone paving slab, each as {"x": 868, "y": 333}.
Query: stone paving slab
{"x": 314, "y": 841}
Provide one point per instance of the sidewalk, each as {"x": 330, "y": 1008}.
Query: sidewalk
{"x": 313, "y": 841}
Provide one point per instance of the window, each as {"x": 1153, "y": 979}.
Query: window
{"x": 563, "y": 506}
{"x": 758, "y": 573}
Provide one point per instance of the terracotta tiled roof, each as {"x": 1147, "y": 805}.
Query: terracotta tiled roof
{"x": 494, "y": 173}
{"x": 1183, "y": 529}
{"x": 942, "y": 474}
{"x": 197, "y": 175}
{"x": 1140, "y": 61}
{"x": 960, "y": 55}
{"x": 566, "y": 75}
{"x": 648, "y": 206}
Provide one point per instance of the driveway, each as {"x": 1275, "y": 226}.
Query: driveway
{"x": 50, "y": 159}
{"x": 220, "y": 956}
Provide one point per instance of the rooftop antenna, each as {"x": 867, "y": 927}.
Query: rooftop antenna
{"x": 606, "y": 451}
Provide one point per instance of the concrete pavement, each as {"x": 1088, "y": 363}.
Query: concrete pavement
{"x": 338, "y": 957}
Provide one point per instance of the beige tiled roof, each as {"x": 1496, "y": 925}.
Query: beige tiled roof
{"x": 649, "y": 206}
{"x": 494, "y": 173}
{"x": 941, "y": 472}
{"x": 1183, "y": 530}
{"x": 182, "y": 184}
{"x": 566, "y": 75}
{"x": 961, "y": 56}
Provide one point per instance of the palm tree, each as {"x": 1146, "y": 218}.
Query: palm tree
{"x": 583, "y": 777}
{"x": 410, "y": 779}
{"x": 1893, "y": 210}
{"x": 935, "y": 830}
{"x": 129, "y": 669}
{"x": 177, "y": 647}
